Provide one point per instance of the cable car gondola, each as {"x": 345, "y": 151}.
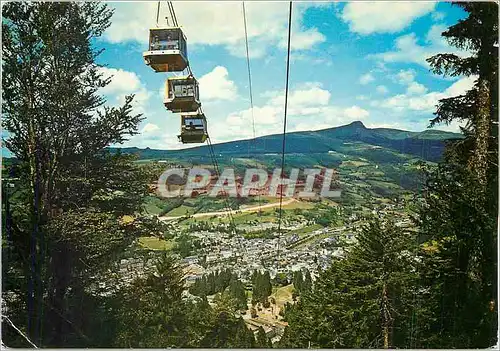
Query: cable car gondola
{"x": 182, "y": 94}
{"x": 167, "y": 50}
{"x": 193, "y": 128}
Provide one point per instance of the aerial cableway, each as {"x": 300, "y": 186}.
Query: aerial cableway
{"x": 167, "y": 53}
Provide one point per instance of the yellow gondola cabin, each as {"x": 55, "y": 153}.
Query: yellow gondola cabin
{"x": 182, "y": 94}
{"x": 193, "y": 128}
{"x": 167, "y": 50}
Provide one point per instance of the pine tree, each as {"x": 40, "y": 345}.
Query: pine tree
{"x": 257, "y": 292}
{"x": 307, "y": 281}
{"x": 58, "y": 128}
{"x": 297, "y": 281}
{"x": 478, "y": 33}
{"x": 237, "y": 290}
{"x": 152, "y": 312}
{"x": 262, "y": 341}
{"x": 267, "y": 287}
{"x": 226, "y": 330}
{"x": 461, "y": 195}
{"x": 364, "y": 300}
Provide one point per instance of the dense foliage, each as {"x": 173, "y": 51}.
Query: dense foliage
{"x": 362, "y": 301}
{"x": 77, "y": 210}
{"x": 389, "y": 291}
{"x": 461, "y": 202}
{"x": 261, "y": 287}
{"x": 74, "y": 217}
{"x": 222, "y": 282}
{"x": 302, "y": 282}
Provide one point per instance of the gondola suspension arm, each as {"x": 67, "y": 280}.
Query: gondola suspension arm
{"x": 171, "y": 11}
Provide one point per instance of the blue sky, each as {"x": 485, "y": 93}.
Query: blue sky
{"x": 350, "y": 61}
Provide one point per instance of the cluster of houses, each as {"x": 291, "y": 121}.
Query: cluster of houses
{"x": 175, "y": 182}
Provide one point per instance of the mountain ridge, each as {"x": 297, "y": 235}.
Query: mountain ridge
{"x": 428, "y": 144}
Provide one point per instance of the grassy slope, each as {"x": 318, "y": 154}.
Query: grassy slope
{"x": 154, "y": 243}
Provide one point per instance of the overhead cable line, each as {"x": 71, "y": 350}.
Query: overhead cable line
{"x": 284, "y": 129}
{"x": 19, "y": 331}
{"x": 249, "y": 72}
{"x": 157, "y": 13}
{"x": 217, "y": 171}
{"x": 172, "y": 14}
{"x": 251, "y": 100}
{"x": 213, "y": 156}
{"x": 171, "y": 11}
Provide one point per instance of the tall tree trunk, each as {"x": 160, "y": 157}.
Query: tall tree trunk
{"x": 60, "y": 275}
{"x": 385, "y": 316}
{"x": 479, "y": 160}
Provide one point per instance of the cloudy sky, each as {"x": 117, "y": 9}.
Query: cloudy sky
{"x": 350, "y": 61}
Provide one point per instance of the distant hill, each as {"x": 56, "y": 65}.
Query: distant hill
{"x": 427, "y": 145}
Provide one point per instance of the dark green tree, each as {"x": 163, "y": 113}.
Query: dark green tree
{"x": 262, "y": 341}
{"x": 184, "y": 246}
{"x": 266, "y": 286}
{"x": 152, "y": 312}
{"x": 226, "y": 330}
{"x": 364, "y": 300}
{"x": 73, "y": 191}
{"x": 461, "y": 196}
{"x": 307, "y": 284}
{"x": 478, "y": 107}
{"x": 262, "y": 287}
{"x": 237, "y": 290}
{"x": 460, "y": 261}
{"x": 297, "y": 281}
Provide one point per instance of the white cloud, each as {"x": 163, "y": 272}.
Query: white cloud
{"x": 415, "y": 88}
{"x": 150, "y": 128}
{"x": 382, "y": 89}
{"x": 421, "y": 101}
{"x": 304, "y": 40}
{"x": 405, "y": 77}
{"x": 158, "y": 139}
{"x": 310, "y": 59}
{"x": 361, "y": 97}
{"x": 460, "y": 86}
{"x": 302, "y": 100}
{"x": 309, "y": 109}
{"x": 393, "y": 125}
{"x": 265, "y": 115}
{"x": 125, "y": 83}
{"x": 218, "y": 23}
{"x": 121, "y": 81}
{"x": 408, "y": 49}
{"x": 438, "y": 16}
{"x": 366, "y": 78}
{"x": 309, "y": 95}
{"x": 256, "y": 49}
{"x": 355, "y": 112}
{"x": 216, "y": 85}
{"x": 301, "y": 127}
{"x": 383, "y": 17}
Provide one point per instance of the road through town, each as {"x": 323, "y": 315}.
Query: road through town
{"x": 225, "y": 213}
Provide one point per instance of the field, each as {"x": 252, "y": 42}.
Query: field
{"x": 283, "y": 294}
{"x": 154, "y": 243}
{"x": 181, "y": 211}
